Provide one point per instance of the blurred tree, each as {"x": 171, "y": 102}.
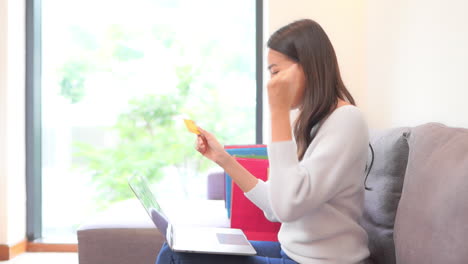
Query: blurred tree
{"x": 72, "y": 83}
{"x": 150, "y": 134}
{"x": 89, "y": 57}
{"x": 149, "y": 140}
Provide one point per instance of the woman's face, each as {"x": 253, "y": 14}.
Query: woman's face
{"x": 276, "y": 63}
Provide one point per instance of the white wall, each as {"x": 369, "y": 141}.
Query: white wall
{"x": 3, "y": 181}
{"x": 12, "y": 122}
{"x": 385, "y": 26}
{"x": 418, "y": 62}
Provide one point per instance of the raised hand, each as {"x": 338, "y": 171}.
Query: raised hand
{"x": 284, "y": 88}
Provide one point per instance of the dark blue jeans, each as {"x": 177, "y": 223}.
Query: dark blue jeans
{"x": 267, "y": 253}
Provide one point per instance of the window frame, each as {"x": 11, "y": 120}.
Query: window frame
{"x": 33, "y": 120}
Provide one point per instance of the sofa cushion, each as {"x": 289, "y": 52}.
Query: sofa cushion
{"x": 386, "y": 181}
{"x": 431, "y": 222}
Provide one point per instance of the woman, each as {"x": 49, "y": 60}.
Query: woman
{"x": 316, "y": 183}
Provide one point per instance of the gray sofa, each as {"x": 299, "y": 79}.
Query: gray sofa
{"x": 416, "y": 212}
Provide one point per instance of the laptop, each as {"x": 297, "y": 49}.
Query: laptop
{"x": 208, "y": 240}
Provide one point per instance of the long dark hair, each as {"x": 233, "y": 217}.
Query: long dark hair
{"x": 305, "y": 42}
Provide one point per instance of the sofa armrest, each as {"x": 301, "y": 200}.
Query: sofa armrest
{"x": 122, "y": 234}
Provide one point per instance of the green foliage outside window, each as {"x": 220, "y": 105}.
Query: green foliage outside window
{"x": 73, "y": 80}
{"x": 149, "y": 132}
{"x": 150, "y": 139}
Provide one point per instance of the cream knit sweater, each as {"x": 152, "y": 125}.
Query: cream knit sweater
{"x": 319, "y": 200}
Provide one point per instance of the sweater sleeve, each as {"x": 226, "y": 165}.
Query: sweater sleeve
{"x": 295, "y": 188}
{"x": 259, "y": 196}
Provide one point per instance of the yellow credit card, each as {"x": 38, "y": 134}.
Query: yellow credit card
{"x": 191, "y": 126}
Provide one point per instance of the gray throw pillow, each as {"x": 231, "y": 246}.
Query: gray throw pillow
{"x": 431, "y": 225}
{"x": 386, "y": 180}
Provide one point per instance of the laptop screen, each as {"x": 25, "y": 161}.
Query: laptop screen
{"x": 142, "y": 191}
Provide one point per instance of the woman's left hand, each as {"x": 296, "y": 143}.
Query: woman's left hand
{"x": 208, "y": 146}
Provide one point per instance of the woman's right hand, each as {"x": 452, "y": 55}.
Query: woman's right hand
{"x": 283, "y": 89}
{"x": 208, "y": 146}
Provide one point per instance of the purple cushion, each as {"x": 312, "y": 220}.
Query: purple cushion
{"x": 215, "y": 188}
{"x": 431, "y": 224}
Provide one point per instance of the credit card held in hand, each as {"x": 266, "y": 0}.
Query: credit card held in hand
{"x": 191, "y": 126}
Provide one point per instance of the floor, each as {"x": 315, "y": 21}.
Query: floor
{"x": 46, "y": 258}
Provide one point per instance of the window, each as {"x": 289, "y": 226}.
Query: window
{"x": 117, "y": 79}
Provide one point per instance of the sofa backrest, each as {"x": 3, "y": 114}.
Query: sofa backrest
{"x": 386, "y": 181}
{"x": 431, "y": 224}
